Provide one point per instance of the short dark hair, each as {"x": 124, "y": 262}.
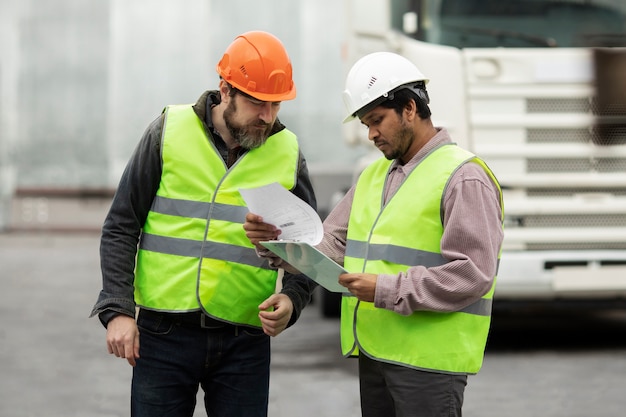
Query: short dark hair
{"x": 400, "y": 98}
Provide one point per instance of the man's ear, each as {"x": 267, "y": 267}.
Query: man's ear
{"x": 224, "y": 90}
{"x": 410, "y": 110}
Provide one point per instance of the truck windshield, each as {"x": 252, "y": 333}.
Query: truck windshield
{"x": 514, "y": 23}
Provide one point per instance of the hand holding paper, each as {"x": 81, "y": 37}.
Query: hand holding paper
{"x": 301, "y": 229}
{"x": 294, "y": 217}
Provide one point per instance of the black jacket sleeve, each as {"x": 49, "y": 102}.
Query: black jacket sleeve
{"x": 122, "y": 226}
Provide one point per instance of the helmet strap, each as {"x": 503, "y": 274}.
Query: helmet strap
{"x": 419, "y": 88}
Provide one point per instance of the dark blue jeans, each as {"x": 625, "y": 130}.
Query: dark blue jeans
{"x": 230, "y": 364}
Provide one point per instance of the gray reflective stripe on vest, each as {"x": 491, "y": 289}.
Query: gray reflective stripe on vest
{"x": 199, "y": 210}
{"x": 406, "y": 256}
{"x": 192, "y": 248}
{"x": 394, "y": 254}
{"x": 481, "y": 307}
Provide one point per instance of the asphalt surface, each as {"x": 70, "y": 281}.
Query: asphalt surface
{"x": 53, "y": 358}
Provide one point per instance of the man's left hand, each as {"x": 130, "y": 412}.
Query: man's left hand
{"x": 363, "y": 286}
{"x": 274, "y": 322}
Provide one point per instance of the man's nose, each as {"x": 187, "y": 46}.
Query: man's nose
{"x": 265, "y": 112}
{"x": 372, "y": 133}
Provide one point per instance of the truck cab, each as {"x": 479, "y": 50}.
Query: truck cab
{"x": 538, "y": 90}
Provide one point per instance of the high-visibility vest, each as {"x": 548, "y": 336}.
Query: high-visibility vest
{"x": 193, "y": 252}
{"x": 388, "y": 239}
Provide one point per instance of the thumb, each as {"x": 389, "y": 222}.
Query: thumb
{"x": 269, "y": 302}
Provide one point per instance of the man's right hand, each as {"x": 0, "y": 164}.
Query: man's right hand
{"x": 257, "y": 230}
{"x": 123, "y": 338}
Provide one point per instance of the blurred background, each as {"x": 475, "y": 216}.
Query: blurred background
{"x": 80, "y": 81}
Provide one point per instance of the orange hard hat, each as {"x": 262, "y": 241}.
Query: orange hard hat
{"x": 257, "y": 63}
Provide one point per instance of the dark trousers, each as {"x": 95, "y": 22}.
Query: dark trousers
{"x": 230, "y": 363}
{"x": 389, "y": 390}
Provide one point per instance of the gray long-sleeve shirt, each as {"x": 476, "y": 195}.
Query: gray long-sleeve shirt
{"x": 472, "y": 237}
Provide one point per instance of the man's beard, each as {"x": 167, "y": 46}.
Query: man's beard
{"x": 246, "y": 138}
{"x": 402, "y": 140}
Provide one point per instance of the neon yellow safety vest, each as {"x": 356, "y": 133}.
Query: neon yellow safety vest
{"x": 388, "y": 239}
{"x": 193, "y": 252}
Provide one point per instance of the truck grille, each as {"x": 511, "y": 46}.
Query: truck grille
{"x": 558, "y": 136}
{"x": 558, "y": 105}
{"x": 601, "y": 165}
{"x": 592, "y": 165}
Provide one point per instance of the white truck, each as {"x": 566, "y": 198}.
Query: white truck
{"x": 538, "y": 89}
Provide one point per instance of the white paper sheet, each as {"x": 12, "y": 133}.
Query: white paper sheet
{"x": 281, "y": 208}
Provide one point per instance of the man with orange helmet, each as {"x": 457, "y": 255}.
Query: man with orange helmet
{"x": 421, "y": 233}
{"x": 174, "y": 250}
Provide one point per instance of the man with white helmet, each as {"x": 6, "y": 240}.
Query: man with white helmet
{"x": 421, "y": 231}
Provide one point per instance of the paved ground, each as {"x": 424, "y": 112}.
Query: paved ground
{"x": 54, "y": 363}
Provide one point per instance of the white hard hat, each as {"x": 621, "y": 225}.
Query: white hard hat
{"x": 375, "y": 76}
